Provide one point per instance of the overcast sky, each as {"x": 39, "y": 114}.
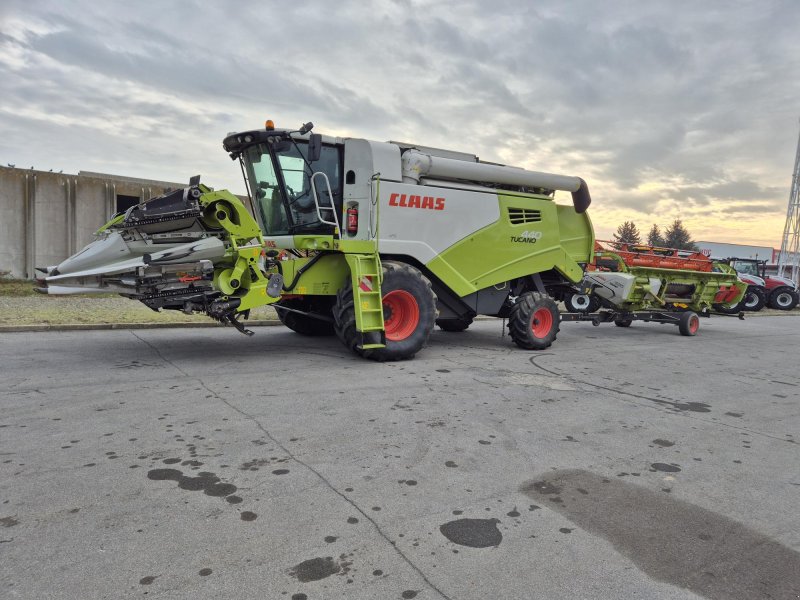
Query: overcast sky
{"x": 668, "y": 109}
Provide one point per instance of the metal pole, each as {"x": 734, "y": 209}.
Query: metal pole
{"x": 789, "y": 257}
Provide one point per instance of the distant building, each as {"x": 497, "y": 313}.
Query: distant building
{"x": 46, "y": 217}
{"x": 719, "y": 251}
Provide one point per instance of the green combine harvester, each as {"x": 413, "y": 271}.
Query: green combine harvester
{"x": 374, "y": 242}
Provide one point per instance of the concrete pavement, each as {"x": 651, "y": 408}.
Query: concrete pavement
{"x": 621, "y": 463}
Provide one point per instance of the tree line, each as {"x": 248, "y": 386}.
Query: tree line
{"x": 674, "y": 236}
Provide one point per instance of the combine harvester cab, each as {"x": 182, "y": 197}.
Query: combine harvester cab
{"x": 374, "y": 242}
{"x": 663, "y": 285}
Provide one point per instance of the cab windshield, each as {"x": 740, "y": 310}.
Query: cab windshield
{"x": 748, "y": 268}
{"x": 281, "y": 184}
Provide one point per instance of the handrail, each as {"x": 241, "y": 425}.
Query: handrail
{"x": 319, "y": 208}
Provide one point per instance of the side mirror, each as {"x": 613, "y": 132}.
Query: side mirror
{"x": 314, "y": 147}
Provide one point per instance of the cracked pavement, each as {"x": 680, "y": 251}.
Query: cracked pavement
{"x": 619, "y": 463}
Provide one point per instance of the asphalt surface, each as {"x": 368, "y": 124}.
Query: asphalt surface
{"x": 621, "y": 463}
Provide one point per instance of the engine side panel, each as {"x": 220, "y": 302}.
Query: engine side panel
{"x": 531, "y": 235}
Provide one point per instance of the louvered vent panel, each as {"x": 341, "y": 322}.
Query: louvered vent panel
{"x": 518, "y": 216}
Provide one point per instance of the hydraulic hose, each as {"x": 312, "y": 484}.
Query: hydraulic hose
{"x": 300, "y": 271}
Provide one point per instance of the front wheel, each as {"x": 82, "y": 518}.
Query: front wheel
{"x": 409, "y": 312}
{"x": 534, "y": 321}
{"x": 688, "y": 323}
{"x": 784, "y": 299}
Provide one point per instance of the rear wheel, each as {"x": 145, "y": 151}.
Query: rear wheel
{"x": 409, "y": 312}
{"x": 688, "y": 323}
{"x": 754, "y": 299}
{"x": 623, "y": 322}
{"x": 581, "y": 303}
{"x": 457, "y": 324}
{"x": 306, "y": 324}
{"x": 784, "y": 298}
{"x": 534, "y": 321}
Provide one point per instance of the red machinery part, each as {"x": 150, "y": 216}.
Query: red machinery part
{"x": 352, "y": 220}
{"x": 637, "y": 255}
{"x": 726, "y": 294}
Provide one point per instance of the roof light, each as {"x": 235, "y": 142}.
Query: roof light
{"x": 269, "y": 125}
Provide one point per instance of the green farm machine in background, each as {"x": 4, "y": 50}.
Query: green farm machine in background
{"x": 662, "y": 285}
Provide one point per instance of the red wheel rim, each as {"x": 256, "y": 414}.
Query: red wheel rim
{"x": 542, "y": 322}
{"x": 401, "y": 315}
{"x": 694, "y": 324}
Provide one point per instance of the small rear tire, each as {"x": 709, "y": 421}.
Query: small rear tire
{"x": 534, "y": 321}
{"x": 624, "y": 322}
{"x": 688, "y": 323}
{"x": 454, "y": 325}
{"x": 784, "y": 298}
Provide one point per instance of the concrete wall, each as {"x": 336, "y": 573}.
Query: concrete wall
{"x": 46, "y": 217}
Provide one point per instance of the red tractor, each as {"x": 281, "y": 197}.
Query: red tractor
{"x": 776, "y": 292}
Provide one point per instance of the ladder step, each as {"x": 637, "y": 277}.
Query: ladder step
{"x": 368, "y": 304}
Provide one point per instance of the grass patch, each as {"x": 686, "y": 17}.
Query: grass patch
{"x": 16, "y": 288}
{"x": 20, "y": 305}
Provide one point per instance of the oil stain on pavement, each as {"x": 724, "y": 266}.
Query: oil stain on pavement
{"x": 671, "y": 540}
{"x": 209, "y": 483}
{"x": 315, "y": 569}
{"x": 474, "y": 533}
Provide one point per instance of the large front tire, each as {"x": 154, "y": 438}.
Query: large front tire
{"x": 534, "y": 321}
{"x": 409, "y": 313}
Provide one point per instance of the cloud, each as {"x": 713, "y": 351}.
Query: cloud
{"x": 666, "y": 109}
